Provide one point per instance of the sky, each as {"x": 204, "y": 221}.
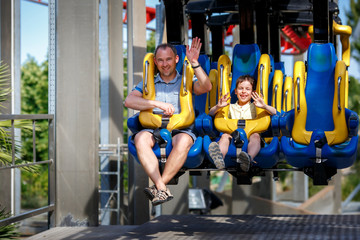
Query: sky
{"x": 34, "y": 31}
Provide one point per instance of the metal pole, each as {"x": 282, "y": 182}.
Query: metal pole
{"x": 52, "y": 109}
{"x": 104, "y": 103}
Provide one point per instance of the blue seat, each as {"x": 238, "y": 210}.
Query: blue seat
{"x": 195, "y": 155}
{"x": 320, "y": 131}
{"x": 246, "y": 60}
{"x": 200, "y": 100}
{"x": 211, "y": 100}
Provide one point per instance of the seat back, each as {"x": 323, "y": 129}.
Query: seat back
{"x": 181, "y": 52}
{"x": 319, "y": 88}
{"x": 320, "y": 103}
{"x": 245, "y": 61}
{"x": 200, "y": 100}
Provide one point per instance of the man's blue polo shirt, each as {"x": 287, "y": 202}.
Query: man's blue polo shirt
{"x": 165, "y": 92}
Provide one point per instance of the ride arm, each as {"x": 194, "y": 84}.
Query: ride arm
{"x": 340, "y": 133}
{"x": 287, "y": 93}
{"x": 176, "y": 121}
{"x": 276, "y": 102}
{"x": 299, "y": 132}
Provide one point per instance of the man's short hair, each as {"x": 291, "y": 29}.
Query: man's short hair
{"x": 246, "y": 78}
{"x": 164, "y": 46}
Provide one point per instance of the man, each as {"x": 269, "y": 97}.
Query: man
{"x": 167, "y": 86}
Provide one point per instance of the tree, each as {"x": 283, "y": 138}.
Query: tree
{"x": 353, "y": 179}
{"x": 34, "y": 100}
{"x": 353, "y": 17}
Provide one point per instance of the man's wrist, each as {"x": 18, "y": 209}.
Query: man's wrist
{"x": 195, "y": 66}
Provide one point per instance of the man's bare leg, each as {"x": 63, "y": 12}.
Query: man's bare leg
{"x": 182, "y": 143}
{"x": 144, "y": 142}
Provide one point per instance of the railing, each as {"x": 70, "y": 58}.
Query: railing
{"x": 50, "y": 208}
{"x": 118, "y": 151}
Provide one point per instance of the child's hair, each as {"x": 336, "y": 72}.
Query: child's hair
{"x": 245, "y": 78}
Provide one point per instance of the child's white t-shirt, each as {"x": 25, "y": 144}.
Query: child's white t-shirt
{"x": 247, "y": 111}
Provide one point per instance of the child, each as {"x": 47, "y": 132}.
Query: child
{"x": 242, "y": 109}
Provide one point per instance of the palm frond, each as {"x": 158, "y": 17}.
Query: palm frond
{"x": 8, "y": 231}
{"x": 5, "y": 126}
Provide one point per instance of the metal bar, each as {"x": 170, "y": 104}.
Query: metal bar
{"x": 221, "y": 78}
{"x": 298, "y": 94}
{"x": 230, "y": 169}
{"x": 26, "y": 116}
{"x": 118, "y": 181}
{"x": 25, "y": 215}
{"x": 109, "y": 209}
{"x": 351, "y": 196}
{"x": 146, "y": 76}
{"x": 108, "y": 173}
{"x": 276, "y": 89}
{"x": 34, "y": 141}
{"x": 261, "y": 79}
{"x": 26, "y": 164}
{"x": 52, "y": 108}
{"x": 110, "y": 145}
{"x": 38, "y": 2}
{"x": 339, "y": 82}
{"x": 51, "y": 172}
{"x": 184, "y": 75}
{"x": 107, "y": 152}
{"x": 12, "y": 142}
{"x": 107, "y": 191}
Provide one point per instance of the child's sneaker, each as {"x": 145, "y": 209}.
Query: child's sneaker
{"x": 161, "y": 197}
{"x": 216, "y": 155}
{"x": 245, "y": 160}
{"x": 150, "y": 192}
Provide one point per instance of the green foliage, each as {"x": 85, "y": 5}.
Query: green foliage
{"x": 34, "y": 189}
{"x": 150, "y": 43}
{"x": 354, "y": 95}
{"x": 5, "y": 126}
{"x": 353, "y": 179}
{"x": 4, "y": 82}
{"x": 353, "y": 17}
{"x": 8, "y": 231}
{"x": 34, "y": 94}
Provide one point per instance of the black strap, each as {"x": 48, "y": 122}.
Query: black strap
{"x": 237, "y": 140}
{"x": 320, "y": 143}
{"x": 158, "y": 138}
{"x": 164, "y": 122}
{"x": 241, "y": 123}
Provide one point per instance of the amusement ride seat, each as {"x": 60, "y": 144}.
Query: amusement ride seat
{"x": 247, "y": 59}
{"x": 320, "y": 133}
{"x": 164, "y": 126}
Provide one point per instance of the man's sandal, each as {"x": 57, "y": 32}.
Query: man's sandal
{"x": 161, "y": 197}
{"x": 150, "y": 192}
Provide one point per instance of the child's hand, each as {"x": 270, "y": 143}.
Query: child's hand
{"x": 223, "y": 101}
{"x": 258, "y": 101}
